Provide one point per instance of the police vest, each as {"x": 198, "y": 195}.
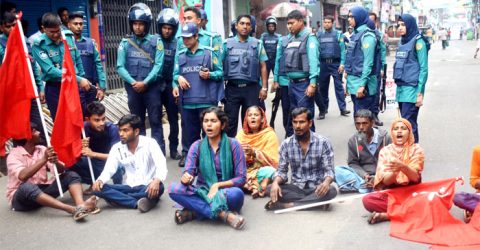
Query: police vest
{"x": 242, "y": 60}
{"x": 406, "y": 69}
{"x": 378, "y": 54}
{"x": 329, "y": 47}
{"x": 282, "y": 71}
{"x": 354, "y": 58}
{"x": 270, "y": 42}
{"x": 3, "y": 41}
{"x": 295, "y": 54}
{"x": 137, "y": 64}
{"x": 86, "y": 49}
{"x": 200, "y": 91}
{"x": 168, "y": 59}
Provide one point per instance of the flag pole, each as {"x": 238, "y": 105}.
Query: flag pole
{"x": 39, "y": 105}
{"x": 88, "y": 158}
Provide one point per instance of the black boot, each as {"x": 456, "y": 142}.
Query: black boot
{"x": 181, "y": 163}
{"x": 376, "y": 120}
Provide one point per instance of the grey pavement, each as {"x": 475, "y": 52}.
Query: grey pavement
{"x": 448, "y": 131}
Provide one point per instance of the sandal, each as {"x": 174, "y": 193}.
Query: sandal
{"x": 376, "y": 217}
{"x": 182, "y": 216}
{"x": 80, "y": 213}
{"x": 95, "y": 209}
{"x": 238, "y": 223}
{"x": 467, "y": 216}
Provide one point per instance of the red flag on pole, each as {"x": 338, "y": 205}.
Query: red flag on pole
{"x": 16, "y": 91}
{"x": 421, "y": 213}
{"x": 67, "y": 128}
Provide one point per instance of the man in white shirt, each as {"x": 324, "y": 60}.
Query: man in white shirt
{"x": 145, "y": 169}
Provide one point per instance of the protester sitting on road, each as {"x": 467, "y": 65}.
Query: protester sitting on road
{"x": 145, "y": 169}
{"x": 469, "y": 201}
{"x": 101, "y": 135}
{"x": 363, "y": 149}
{"x": 260, "y": 144}
{"x": 399, "y": 164}
{"x": 218, "y": 162}
{"x": 310, "y": 157}
{"x": 29, "y": 187}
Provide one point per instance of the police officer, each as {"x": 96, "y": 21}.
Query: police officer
{"x": 380, "y": 62}
{"x": 8, "y": 22}
{"x": 197, "y": 82}
{"x": 91, "y": 62}
{"x": 48, "y": 52}
{"x": 244, "y": 63}
{"x": 204, "y": 17}
{"x": 139, "y": 61}
{"x": 361, "y": 78}
{"x": 332, "y": 61}
{"x": 300, "y": 54}
{"x": 281, "y": 82}
{"x": 167, "y": 25}
{"x": 270, "y": 41}
{"x": 205, "y": 38}
{"x": 410, "y": 70}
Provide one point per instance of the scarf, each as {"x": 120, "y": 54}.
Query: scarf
{"x": 360, "y": 15}
{"x": 207, "y": 169}
{"x": 403, "y": 151}
{"x": 411, "y": 26}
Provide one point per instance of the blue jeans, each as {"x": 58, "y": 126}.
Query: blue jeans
{"x": 195, "y": 203}
{"x": 82, "y": 169}
{"x": 327, "y": 70}
{"x": 296, "y": 92}
{"x": 410, "y": 112}
{"x": 125, "y": 195}
{"x": 191, "y": 127}
{"x": 168, "y": 101}
{"x": 148, "y": 101}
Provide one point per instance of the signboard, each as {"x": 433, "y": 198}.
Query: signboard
{"x": 347, "y": 6}
{"x": 391, "y": 93}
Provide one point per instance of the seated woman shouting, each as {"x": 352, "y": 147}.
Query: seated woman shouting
{"x": 260, "y": 144}
{"x": 218, "y": 162}
{"x": 399, "y": 164}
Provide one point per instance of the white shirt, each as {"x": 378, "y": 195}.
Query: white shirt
{"x": 141, "y": 167}
{"x": 33, "y": 37}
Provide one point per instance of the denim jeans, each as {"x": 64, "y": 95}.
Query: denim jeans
{"x": 125, "y": 195}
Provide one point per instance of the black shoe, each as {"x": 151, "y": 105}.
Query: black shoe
{"x": 174, "y": 155}
{"x": 345, "y": 112}
{"x": 377, "y": 121}
{"x": 181, "y": 163}
{"x": 321, "y": 116}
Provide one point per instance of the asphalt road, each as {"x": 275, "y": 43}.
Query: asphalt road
{"x": 448, "y": 131}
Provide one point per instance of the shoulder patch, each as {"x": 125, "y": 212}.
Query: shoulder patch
{"x": 419, "y": 46}
{"x": 341, "y": 40}
{"x": 215, "y": 60}
{"x": 160, "y": 46}
{"x": 311, "y": 45}
{"x": 43, "y": 55}
{"x": 366, "y": 45}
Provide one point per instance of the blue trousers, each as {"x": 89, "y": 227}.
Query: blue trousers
{"x": 376, "y": 101}
{"x": 82, "y": 169}
{"x": 327, "y": 70}
{"x": 168, "y": 101}
{"x": 236, "y": 97}
{"x": 362, "y": 103}
{"x": 410, "y": 112}
{"x": 286, "y": 110}
{"x": 52, "y": 93}
{"x": 191, "y": 127}
{"x": 270, "y": 66}
{"x": 296, "y": 93}
{"x": 148, "y": 101}
{"x": 125, "y": 195}
{"x": 195, "y": 203}
{"x": 87, "y": 97}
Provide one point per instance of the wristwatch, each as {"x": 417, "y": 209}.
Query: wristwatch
{"x": 265, "y": 89}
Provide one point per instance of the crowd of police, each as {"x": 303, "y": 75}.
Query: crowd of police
{"x": 196, "y": 70}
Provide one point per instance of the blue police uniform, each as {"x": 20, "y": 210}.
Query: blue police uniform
{"x": 143, "y": 65}
{"x": 270, "y": 42}
{"x": 93, "y": 69}
{"x": 241, "y": 68}
{"x": 167, "y": 99}
{"x": 331, "y": 45}
{"x": 280, "y": 76}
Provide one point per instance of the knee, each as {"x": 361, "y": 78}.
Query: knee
{"x": 71, "y": 177}
{"x": 369, "y": 202}
{"x": 235, "y": 198}
{"x": 29, "y": 190}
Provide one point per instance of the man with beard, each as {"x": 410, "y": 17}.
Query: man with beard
{"x": 101, "y": 136}
{"x": 310, "y": 157}
{"x": 145, "y": 169}
{"x": 363, "y": 149}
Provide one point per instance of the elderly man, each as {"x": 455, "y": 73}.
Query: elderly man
{"x": 310, "y": 157}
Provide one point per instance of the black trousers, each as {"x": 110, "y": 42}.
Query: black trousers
{"x": 292, "y": 193}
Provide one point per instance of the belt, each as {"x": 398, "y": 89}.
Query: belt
{"x": 53, "y": 84}
{"x": 239, "y": 84}
{"x": 299, "y": 80}
{"x": 330, "y": 60}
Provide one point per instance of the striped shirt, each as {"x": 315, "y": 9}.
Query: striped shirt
{"x": 238, "y": 157}
{"x": 309, "y": 169}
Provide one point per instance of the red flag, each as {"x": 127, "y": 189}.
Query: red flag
{"x": 16, "y": 91}
{"x": 421, "y": 213}
{"x": 67, "y": 128}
